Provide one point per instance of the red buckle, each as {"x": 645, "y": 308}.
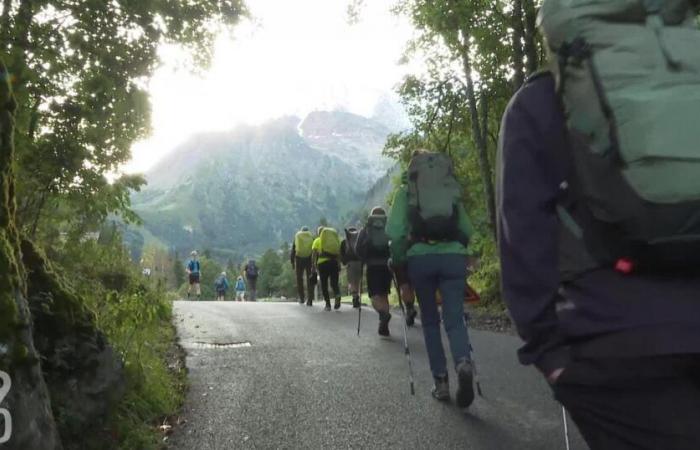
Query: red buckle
{"x": 624, "y": 266}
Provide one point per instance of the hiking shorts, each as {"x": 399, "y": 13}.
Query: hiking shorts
{"x": 378, "y": 280}
{"x": 194, "y": 278}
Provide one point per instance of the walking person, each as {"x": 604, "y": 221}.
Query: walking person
{"x": 193, "y": 269}
{"x": 251, "y": 273}
{"x": 300, "y": 258}
{"x": 598, "y": 221}
{"x": 240, "y": 289}
{"x": 353, "y": 264}
{"x": 326, "y": 254}
{"x": 373, "y": 249}
{"x": 429, "y": 232}
{"x": 221, "y": 285}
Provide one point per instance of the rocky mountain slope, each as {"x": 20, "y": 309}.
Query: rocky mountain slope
{"x": 237, "y": 193}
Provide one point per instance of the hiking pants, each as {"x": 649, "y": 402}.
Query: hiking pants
{"x": 303, "y": 272}
{"x": 252, "y": 289}
{"x": 329, "y": 271}
{"x": 650, "y": 403}
{"x": 448, "y": 273}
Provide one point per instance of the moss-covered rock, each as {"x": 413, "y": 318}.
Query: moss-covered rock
{"x": 28, "y": 400}
{"x": 84, "y": 374}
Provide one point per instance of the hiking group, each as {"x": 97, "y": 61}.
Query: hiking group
{"x": 598, "y": 218}
{"x": 245, "y": 287}
{"x": 420, "y": 246}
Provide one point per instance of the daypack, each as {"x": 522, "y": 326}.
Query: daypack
{"x": 240, "y": 285}
{"x": 350, "y": 243}
{"x": 251, "y": 270}
{"x": 377, "y": 239}
{"x": 628, "y": 75}
{"x": 433, "y": 196}
{"x": 303, "y": 242}
{"x": 193, "y": 266}
{"x": 220, "y": 283}
{"x": 330, "y": 243}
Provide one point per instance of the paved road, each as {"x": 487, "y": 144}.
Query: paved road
{"x": 308, "y": 382}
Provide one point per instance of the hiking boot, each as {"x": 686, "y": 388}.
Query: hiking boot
{"x": 384, "y": 319}
{"x": 301, "y": 301}
{"x": 328, "y": 306}
{"x": 337, "y": 304}
{"x": 356, "y": 302}
{"x": 441, "y": 390}
{"x": 411, "y": 314}
{"x": 465, "y": 390}
{"x": 309, "y": 303}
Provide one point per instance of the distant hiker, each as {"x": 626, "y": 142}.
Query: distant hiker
{"x": 326, "y": 251}
{"x": 193, "y": 273}
{"x": 598, "y": 220}
{"x": 429, "y": 231}
{"x": 221, "y": 285}
{"x": 300, "y": 257}
{"x": 240, "y": 289}
{"x": 373, "y": 248}
{"x": 251, "y": 273}
{"x": 352, "y": 261}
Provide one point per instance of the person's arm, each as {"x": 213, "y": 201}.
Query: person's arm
{"x": 293, "y": 254}
{"x": 397, "y": 228}
{"x": 528, "y": 231}
{"x": 344, "y": 252}
{"x": 315, "y": 251}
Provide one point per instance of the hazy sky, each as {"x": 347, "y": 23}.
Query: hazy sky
{"x": 293, "y": 57}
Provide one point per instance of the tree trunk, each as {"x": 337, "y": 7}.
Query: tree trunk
{"x": 531, "y": 37}
{"x": 480, "y": 142}
{"x": 28, "y": 400}
{"x": 518, "y": 38}
{"x": 5, "y": 23}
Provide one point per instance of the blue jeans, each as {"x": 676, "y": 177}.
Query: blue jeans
{"x": 447, "y": 273}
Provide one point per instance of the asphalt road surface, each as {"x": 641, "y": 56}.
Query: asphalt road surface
{"x": 285, "y": 376}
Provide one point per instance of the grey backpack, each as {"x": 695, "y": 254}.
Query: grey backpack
{"x": 433, "y": 198}
{"x": 628, "y": 75}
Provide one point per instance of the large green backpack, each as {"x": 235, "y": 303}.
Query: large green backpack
{"x": 628, "y": 75}
{"x": 433, "y": 196}
{"x": 303, "y": 242}
{"x": 330, "y": 243}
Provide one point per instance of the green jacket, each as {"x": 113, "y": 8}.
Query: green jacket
{"x": 399, "y": 229}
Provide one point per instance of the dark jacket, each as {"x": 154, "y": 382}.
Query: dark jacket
{"x": 599, "y": 314}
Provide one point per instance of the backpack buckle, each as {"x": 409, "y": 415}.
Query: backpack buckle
{"x": 624, "y": 266}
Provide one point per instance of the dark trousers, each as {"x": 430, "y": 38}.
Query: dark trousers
{"x": 648, "y": 403}
{"x": 329, "y": 271}
{"x": 303, "y": 272}
{"x": 252, "y": 288}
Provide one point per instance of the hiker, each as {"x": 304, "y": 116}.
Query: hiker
{"x": 351, "y": 260}
{"x": 429, "y": 232}
{"x": 251, "y": 273}
{"x": 193, "y": 275}
{"x": 240, "y": 289}
{"x": 326, "y": 251}
{"x": 300, "y": 257}
{"x": 598, "y": 222}
{"x": 373, "y": 249}
{"x": 221, "y": 285}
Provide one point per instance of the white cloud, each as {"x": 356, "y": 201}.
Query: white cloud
{"x": 293, "y": 57}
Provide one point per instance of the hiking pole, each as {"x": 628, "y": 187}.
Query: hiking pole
{"x": 359, "y": 311}
{"x": 405, "y": 337}
{"x": 566, "y": 428}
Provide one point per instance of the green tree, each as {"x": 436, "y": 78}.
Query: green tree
{"x": 179, "y": 274}
{"x": 270, "y": 266}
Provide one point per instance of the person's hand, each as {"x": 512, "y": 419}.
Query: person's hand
{"x": 407, "y": 294}
{"x": 554, "y": 375}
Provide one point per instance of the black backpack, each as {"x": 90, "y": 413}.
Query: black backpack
{"x": 350, "y": 254}
{"x": 251, "y": 270}
{"x": 377, "y": 239}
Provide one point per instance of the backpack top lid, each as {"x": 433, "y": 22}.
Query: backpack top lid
{"x": 564, "y": 20}
{"x": 433, "y": 189}
{"x": 330, "y": 242}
